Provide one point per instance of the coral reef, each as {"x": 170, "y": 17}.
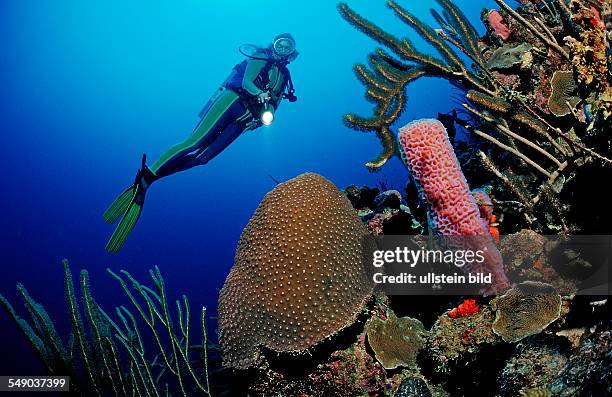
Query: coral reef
{"x": 535, "y": 155}
{"x": 429, "y": 156}
{"x": 462, "y": 354}
{"x": 453, "y": 339}
{"x": 298, "y": 276}
{"x": 396, "y": 341}
{"x": 538, "y": 121}
{"x": 525, "y": 310}
{"x": 92, "y": 358}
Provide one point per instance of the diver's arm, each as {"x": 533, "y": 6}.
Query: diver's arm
{"x": 254, "y": 66}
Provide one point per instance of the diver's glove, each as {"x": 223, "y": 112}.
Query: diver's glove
{"x": 263, "y": 97}
{"x": 252, "y": 124}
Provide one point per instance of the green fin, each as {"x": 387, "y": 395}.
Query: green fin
{"x": 119, "y": 206}
{"x": 126, "y": 225}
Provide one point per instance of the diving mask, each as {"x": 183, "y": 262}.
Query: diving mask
{"x": 284, "y": 45}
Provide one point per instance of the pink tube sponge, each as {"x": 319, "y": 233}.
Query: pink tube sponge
{"x": 496, "y": 21}
{"x": 427, "y": 152}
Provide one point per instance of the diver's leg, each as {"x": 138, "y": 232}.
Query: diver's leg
{"x": 193, "y": 148}
{"x": 225, "y": 138}
{"x": 222, "y": 112}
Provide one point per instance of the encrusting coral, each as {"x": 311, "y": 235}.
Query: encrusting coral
{"x": 525, "y": 310}
{"x": 298, "y": 276}
{"x": 563, "y": 97}
{"x": 396, "y": 341}
{"x": 92, "y": 358}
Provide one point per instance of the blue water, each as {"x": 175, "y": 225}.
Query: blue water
{"x": 87, "y": 87}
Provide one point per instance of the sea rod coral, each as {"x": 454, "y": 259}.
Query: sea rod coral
{"x": 110, "y": 357}
{"x": 298, "y": 275}
{"x": 428, "y": 154}
{"x": 387, "y": 81}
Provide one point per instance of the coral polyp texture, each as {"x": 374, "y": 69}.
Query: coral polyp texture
{"x": 428, "y": 154}
{"x": 298, "y": 275}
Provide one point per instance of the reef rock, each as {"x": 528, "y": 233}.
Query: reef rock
{"x": 298, "y": 275}
{"x": 588, "y": 371}
{"x": 361, "y": 197}
{"x": 532, "y": 366}
{"x": 349, "y": 372}
{"x": 383, "y": 213}
{"x": 454, "y": 340}
{"x": 529, "y": 256}
{"x": 388, "y": 199}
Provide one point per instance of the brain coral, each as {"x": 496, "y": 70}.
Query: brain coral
{"x": 525, "y": 310}
{"x": 298, "y": 274}
{"x": 427, "y": 152}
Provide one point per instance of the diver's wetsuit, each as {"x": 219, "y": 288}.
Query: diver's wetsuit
{"x": 224, "y": 118}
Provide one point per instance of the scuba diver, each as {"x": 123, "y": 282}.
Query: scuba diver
{"x": 245, "y": 101}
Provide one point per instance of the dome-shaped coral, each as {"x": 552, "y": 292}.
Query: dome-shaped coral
{"x": 298, "y": 275}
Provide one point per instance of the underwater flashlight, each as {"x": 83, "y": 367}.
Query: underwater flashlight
{"x": 267, "y": 114}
